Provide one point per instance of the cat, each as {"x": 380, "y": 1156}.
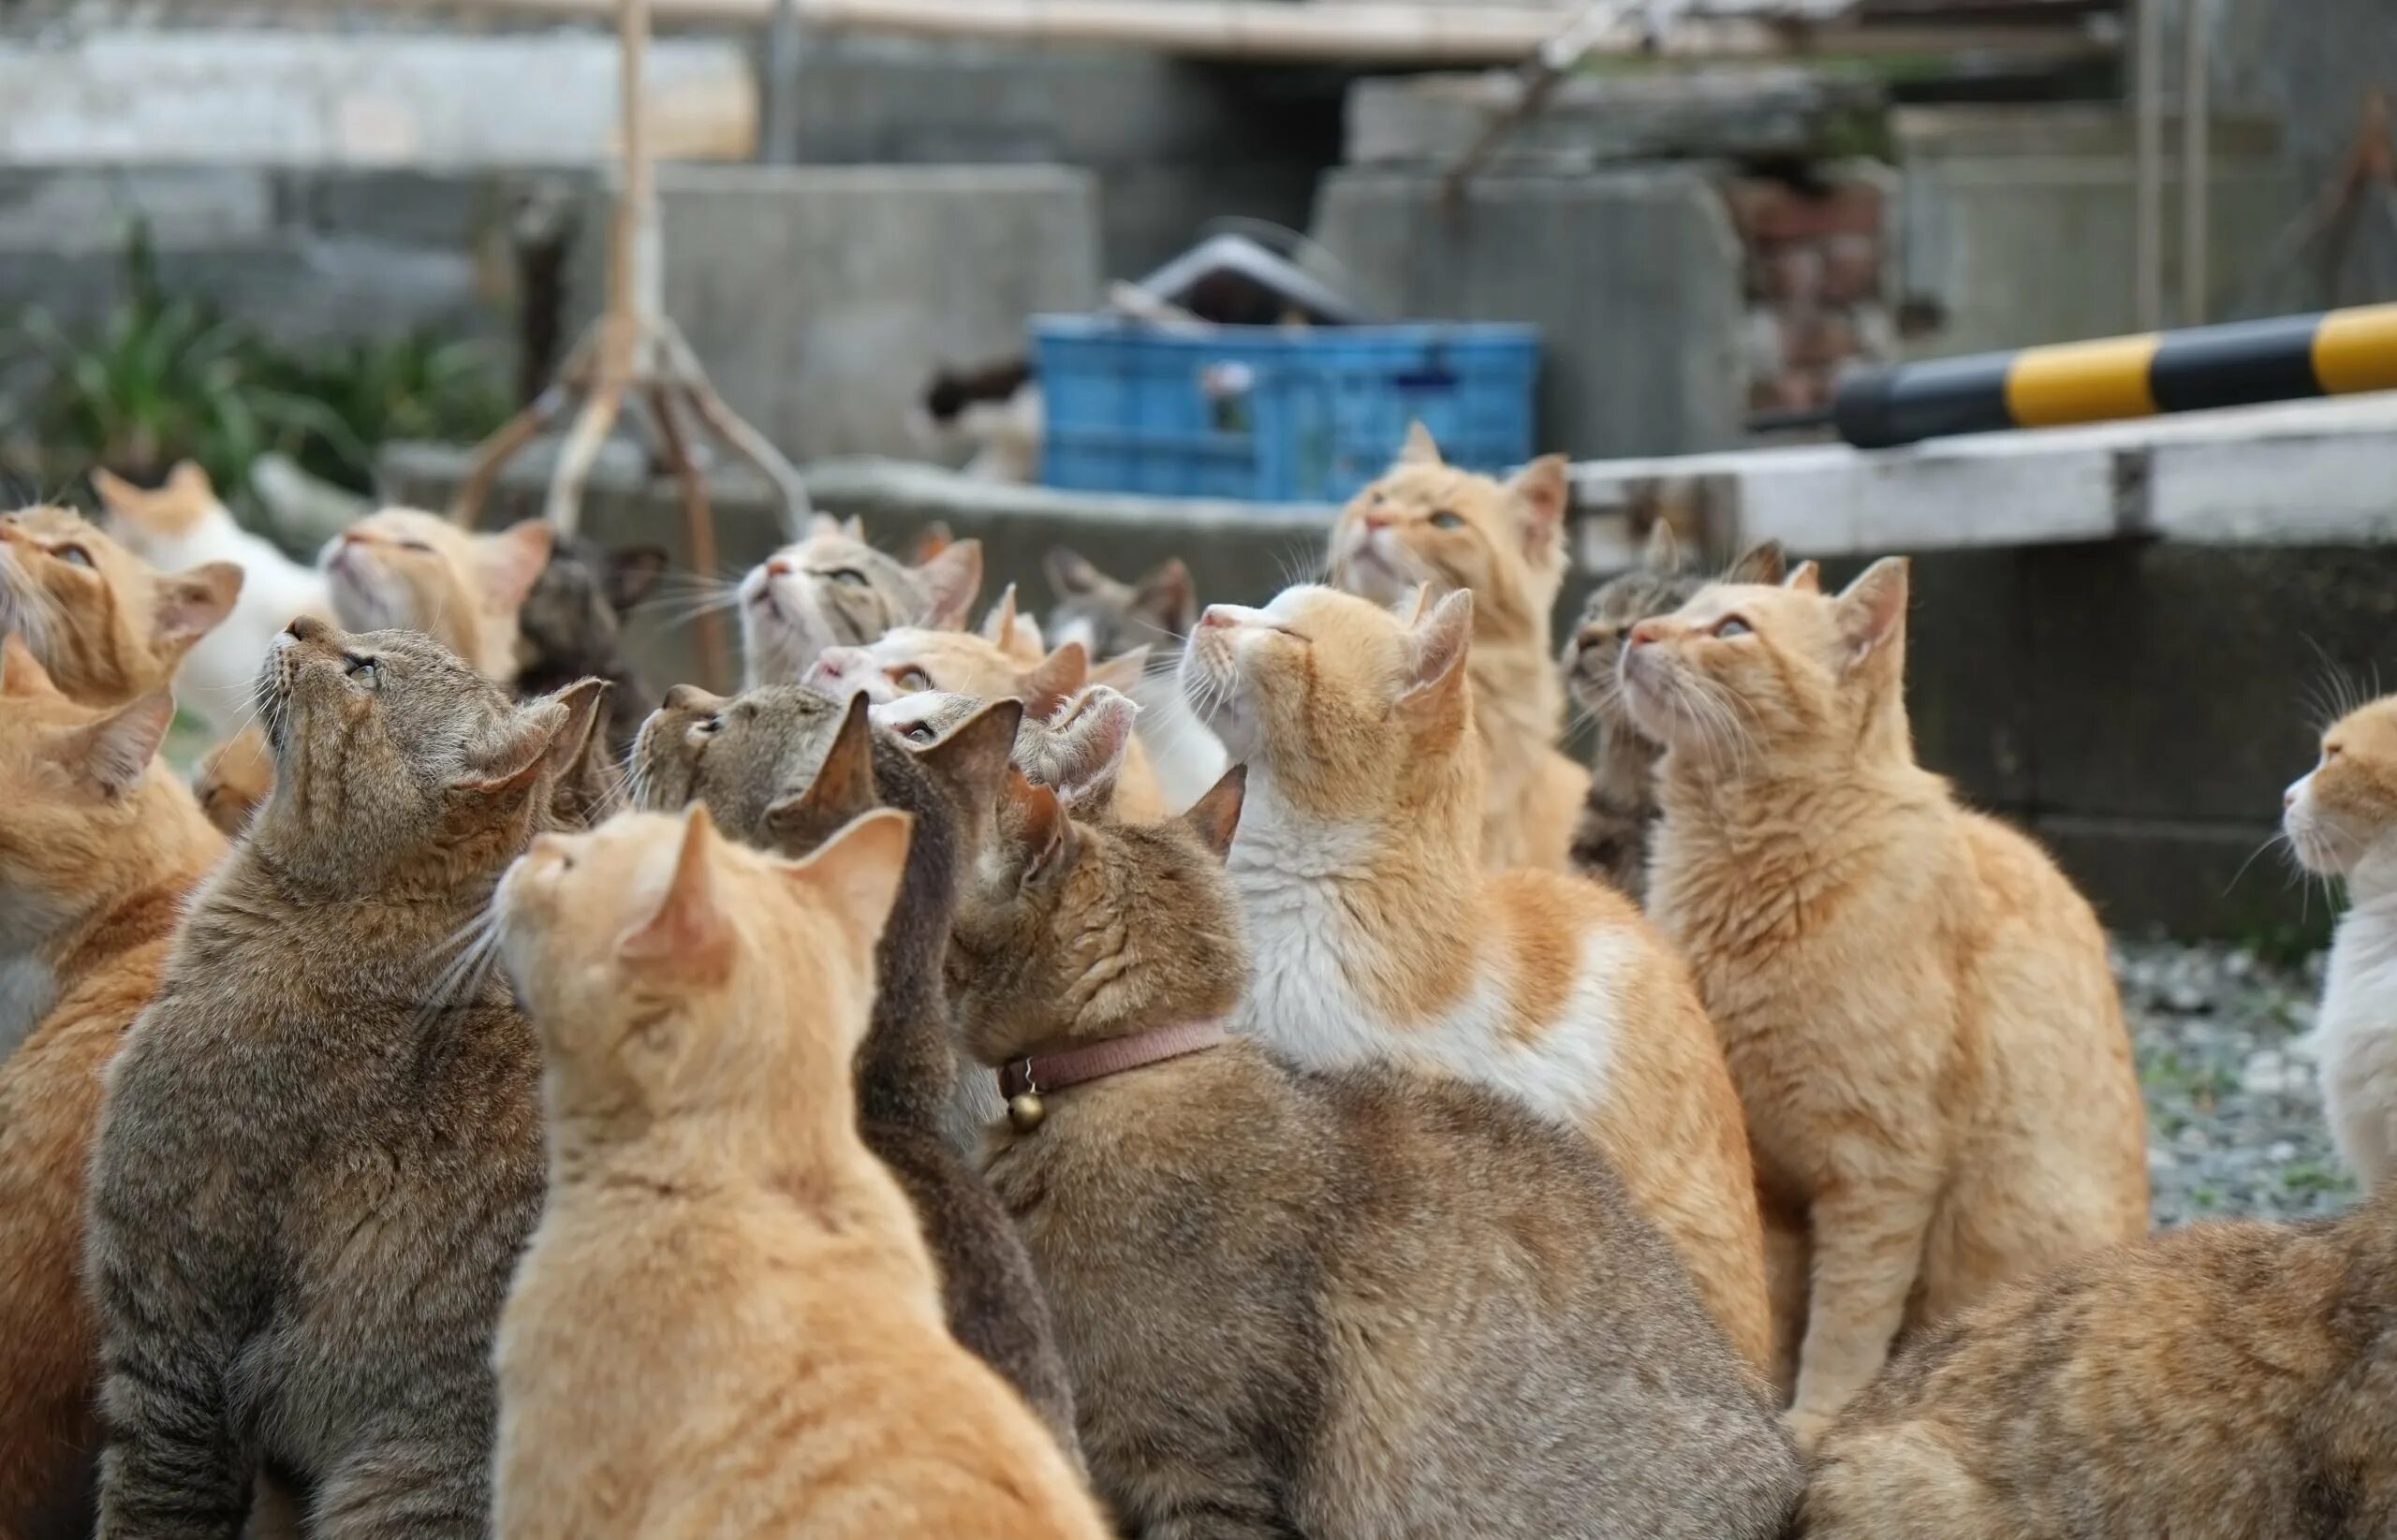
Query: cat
{"x": 910, "y": 659}
{"x": 101, "y": 845}
{"x": 405, "y": 569}
{"x": 2219, "y": 1381}
{"x": 107, "y": 626}
{"x": 780, "y": 767}
{"x": 319, "y": 1150}
{"x": 571, "y": 629}
{"x": 1345, "y": 1304}
{"x": 993, "y": 412}
{"x": 833, "y": 590}
{"x": 1113, "y": 620}
{"x": 2341, "y": 821}
{"x": 1503, "y": 541}
{"x": 184, "y": 524}
{"x": 1916, "y": 1003}
{"x": 1611, "y": 842}
{"x": 1080, "y": 753}
{"x": 727, "y": 1323}
{"x": 1379, "y": 938}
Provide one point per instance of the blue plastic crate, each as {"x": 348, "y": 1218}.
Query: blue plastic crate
{"x": 1273, "y": 415}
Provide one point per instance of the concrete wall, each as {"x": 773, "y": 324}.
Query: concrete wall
{"x": 1633, "y": 276}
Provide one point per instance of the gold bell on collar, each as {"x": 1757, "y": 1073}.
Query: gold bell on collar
{"x": 1025, "y": 1110}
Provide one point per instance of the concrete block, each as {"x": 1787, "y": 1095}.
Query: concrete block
{"x": 1633, "y": 277}
{"x": 92, "y": 210}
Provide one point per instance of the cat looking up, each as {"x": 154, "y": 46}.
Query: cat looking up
{"x": 2341, "y": 819}
{"x": 780, "y": 767}
{"x": 320, "y": 1149}
{"x": 833, "y": 590}
{"x": 1113, "y": 620}
{"x": 184, "y": 524}
{"x": 1346, "y": 1304}
{"x": 1916, "y": 1004}
{"x": 1379, "y": 937}
{"x": 100, "y": 847}
{"x": 1611, "y": 843}
{"x": 1504, "y": 542}
{"x": 404, "y": 569}
{"x": 106, "y": 625}
{"x": 727, "y": 1323}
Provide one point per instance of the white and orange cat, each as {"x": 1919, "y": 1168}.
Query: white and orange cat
{"x": 105, "y": 625}
{"x": 405, "y": 569}
{"x": 1426, "y": 521}
{"x": 1916, "y": 1004}
{"x": 184, "y": 524}
{"x": 727, "y": 1323}
{"x": 1378, "y": 936}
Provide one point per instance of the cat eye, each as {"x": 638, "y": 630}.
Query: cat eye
{"x": 912, "y": 679}
{"x": 1731, "y": 625}
{"x": 917, "y": 732}
{"x": 849, "y": 575}
{"x": 708, "y": 724}
{"x": 1445, "y": 520}
{"x": 355, "y": 667}
{"x": 2333, "y": 750}
{"x": 416, "y": 545}
{"x": 75, "y": 554}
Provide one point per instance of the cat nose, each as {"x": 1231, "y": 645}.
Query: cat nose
{"x": 1646, "y": 632}
{"x": 1216, "y": 615}
{"x": 308, "y": 628}
{"x": 1377, "y": 522}
{"x": 779, "y": 569}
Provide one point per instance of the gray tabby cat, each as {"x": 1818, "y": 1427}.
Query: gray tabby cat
{"x": 1610, "y": 840}
{"x": 833, "y": 590}
{"x": 321, "y": 1147}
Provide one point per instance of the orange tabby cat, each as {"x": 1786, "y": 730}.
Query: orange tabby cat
{"x": 100, "y": 846}
{"x": 958, "y": 663}
{"x": 407, "y": 570}
{"x": 1376, "y": 937}
{"x": 727, "y": 1323}
{"x": 1916, "y": 1004}
{"x": 1425, "y": 522}
{"x": 107, "y": 626}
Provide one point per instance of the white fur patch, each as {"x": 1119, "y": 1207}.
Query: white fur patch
{"x": 2356, "y": 1033}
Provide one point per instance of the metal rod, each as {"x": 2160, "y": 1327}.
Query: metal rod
{"x": 2196, "y": 169}
{"x": 2147, "y": 127}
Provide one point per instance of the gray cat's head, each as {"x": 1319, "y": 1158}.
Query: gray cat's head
{"x": 1662, "y": 583}
{"x": 398, "y": 766}
{"x": 1111, "y": 618}
{"x": 833, "y": 590}
{"x": 573, "y": 617}
{"x": 739, "y": 754}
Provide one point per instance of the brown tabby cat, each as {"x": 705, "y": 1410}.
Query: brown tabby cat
{"x": 100, "y": 846}
{"x": 1916, "y": 1004}
{"x": 1611, "y": 843}
{"x": 727, "y": 1323}
{"x": 107, "y": 626}
{"x": 781, "y": 768}
{"x": 1504, "y": 542}
{"x": 320, "y": 1150}
{"x": 404, "y": 569}
{"x": 1348, "y": 1305}
{"x": 2220, "y": 1381}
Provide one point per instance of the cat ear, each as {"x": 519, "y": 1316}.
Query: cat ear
{"x": 858, "y": 870}
{"x": 1763, "y": 563}
{"x": 1215, "y": 817}
{"x": 1436, "y": 647}
{"x": 930, "y": 541}
{"x": 511, "y": 561}
{"x": 842, "y": 789}
{"x": 21, "y": 672}
{"x": 116, "y": 751}
{"x": 951, "y": 580}
{"x": 1805, "y": 578}
{"x": 1035, "y": 824}
{"x": 971, "y": 759}
{"x": 544, "y": 737}
{"x": 998, "y": 625}
{"x": 1873, "y": 609}
{"x": 688, "y": 936}
{"x": 1069, "y": 574}
{"x": 1091, "y": 745}
{"x": 1419, "y": 450}
{"x": 190, "y": 604}
{"x": 117, "y": 494}
{"x": 1055, "y": 678}
{"x": 632, "y": 572}
{"x": 1663, "y": 552}
{"x": 823, "y": 524}
{"x": 1168, "y": 600}
{"x": 854, "y": 527}
{"x": 1123, "y": 671}
{"x": 1543, "y": 490}
{"x": 188, "y": 479}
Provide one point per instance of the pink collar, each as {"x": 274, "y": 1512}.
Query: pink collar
{"x": 1047, "y": 1072}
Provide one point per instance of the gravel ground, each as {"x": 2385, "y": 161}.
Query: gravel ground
{"x": 2234, "y": 1106}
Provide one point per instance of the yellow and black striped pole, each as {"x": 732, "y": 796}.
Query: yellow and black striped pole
{"x": 2241, "y": 363}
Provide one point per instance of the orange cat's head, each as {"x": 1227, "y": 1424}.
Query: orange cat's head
{"x": 404, "y": 569}
{"x": 954, "y": 662}
{"x": 2342, "y": 815}
{"x": 106, "y": 624}
{"x": 1351, "y": 710}
{"x": 1746, "y": 673}
{"x": 669, "y": 970}
{"x": 86, "y": 798}
{"x": 1425, "y": 521}
{"x": 174, "y": 512}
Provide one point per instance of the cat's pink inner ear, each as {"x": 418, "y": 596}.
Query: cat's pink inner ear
{"x": 116, "y": 751}
{"x": 857, "y": 872}
{"x": 1419, "y": 450}
{"x": 1764, "y": 563}
{"x": 511, "y": 561}
{"x": 952, "y": 580}
{"x": 1543, "y": 491}
{"x": 190, "y": 604}
{"x": 1873, "y": 609}
{"x": 686, "y": 935}
{"x": 1440, "y": 641}
{"x": 21, "y": 672}
{"x": 1805, "y": 578}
